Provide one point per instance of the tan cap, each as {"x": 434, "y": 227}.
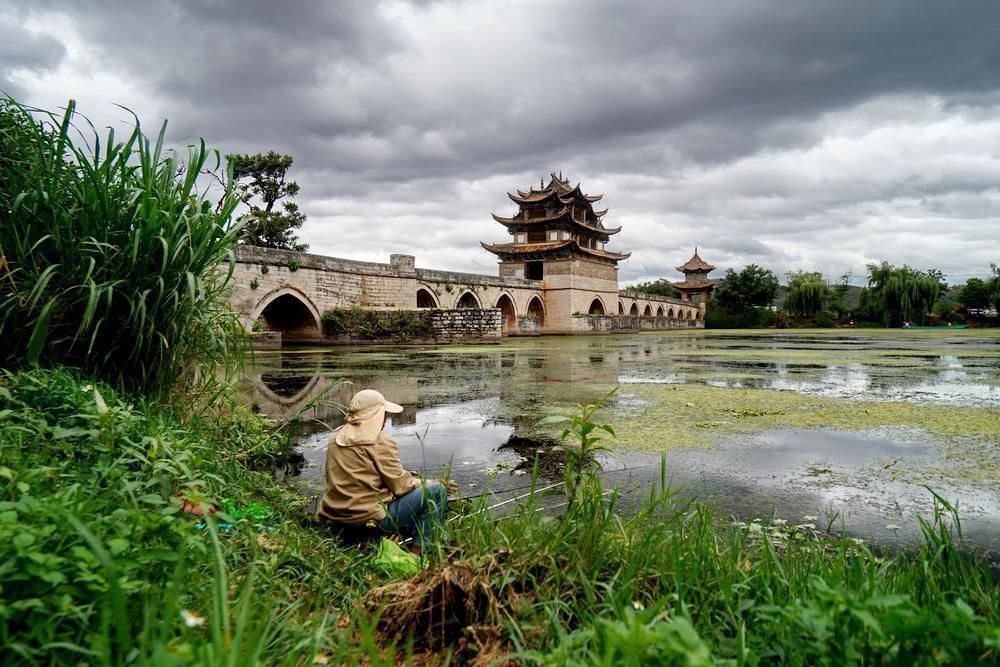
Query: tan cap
{"x": 364, "y": 419}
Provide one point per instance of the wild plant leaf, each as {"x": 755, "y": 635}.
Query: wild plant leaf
{"x": 552, "y": 419}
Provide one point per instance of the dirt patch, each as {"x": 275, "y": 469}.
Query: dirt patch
{"x": 449, "y": 611}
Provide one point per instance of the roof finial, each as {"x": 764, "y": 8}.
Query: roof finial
{"x": 541, "y": 182}
{"x": 560, "y": 175}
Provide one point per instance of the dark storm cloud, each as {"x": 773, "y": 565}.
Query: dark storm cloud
{"x": 22, "y": 51}
{"x": 758, "y": 129}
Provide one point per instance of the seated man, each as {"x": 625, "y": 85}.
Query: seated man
{"x": 365, "y": 481}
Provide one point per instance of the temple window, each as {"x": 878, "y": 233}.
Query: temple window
{"x": 536, "y": 236}
{"x": 518, "y": 238}
{"x": 534, "y": 270}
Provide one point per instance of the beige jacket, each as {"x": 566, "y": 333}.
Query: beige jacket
{"x": 361, "y": 477}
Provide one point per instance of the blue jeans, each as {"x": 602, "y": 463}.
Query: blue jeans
{"x": 416, "y": 513}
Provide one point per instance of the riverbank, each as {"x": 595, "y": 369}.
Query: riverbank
{"x": 105, "y": 563}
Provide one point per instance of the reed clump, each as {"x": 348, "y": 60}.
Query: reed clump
{"x": 115, "y": 261}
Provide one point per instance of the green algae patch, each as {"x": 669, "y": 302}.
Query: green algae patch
{"x": 660, "y": 417}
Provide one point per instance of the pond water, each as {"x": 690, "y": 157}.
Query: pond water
{"x": 842, "y": 428}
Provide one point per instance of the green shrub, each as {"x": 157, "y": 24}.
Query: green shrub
{"x": 824, "y": 319}
{"x": 117, "y": 263}
{"x": 378, "y": 324}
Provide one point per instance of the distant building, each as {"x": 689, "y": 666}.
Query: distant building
{"x": 697, "y": 287}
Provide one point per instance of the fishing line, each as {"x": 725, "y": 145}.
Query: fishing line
{"x": 528, "y": 486}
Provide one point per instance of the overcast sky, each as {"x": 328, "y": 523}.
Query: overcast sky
{"x": 795, "y": 135}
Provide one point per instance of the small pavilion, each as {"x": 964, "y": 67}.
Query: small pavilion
{"x": 696, "y": 287}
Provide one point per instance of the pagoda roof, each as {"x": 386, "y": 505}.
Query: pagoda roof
{"x": 516, "y": 249}
{"x": 696, "y": 263}
{"x": 695, "y": 286}
{"x": 557, "y": 187}
{"x": 562, "y": 214}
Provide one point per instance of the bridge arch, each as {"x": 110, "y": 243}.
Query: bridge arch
{"x": 291, "y": 312}
{"x": 659, "y": 311}
{"x": 670, "y": 312}
{"x": 426, "y": 297}
{"x": 536, "y": 309}
{"x": 647, "y": 311}
{"x": 596, "y": 307}
{"x": 507, "y": 310}
{"x": 621, "y": 307}
{"x": 634, "y": 310}
{"x": 468, "y": 299}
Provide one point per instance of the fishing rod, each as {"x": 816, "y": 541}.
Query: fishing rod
{"x": 528, "y": 486}
{"x": 509, "y": 500}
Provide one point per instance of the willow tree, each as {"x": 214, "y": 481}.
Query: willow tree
{"x": 900, "y": 294}
{"x": 807, "y": 293}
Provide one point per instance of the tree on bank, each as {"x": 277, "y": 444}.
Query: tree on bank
{"x": 807, "y": 293}
{"x": 753, "y": 287}
{"x": 264, "y": 176}
{"x": 975, "y": 294}
{"x": 897, "y": 294}
{"x": 660, "y": 287}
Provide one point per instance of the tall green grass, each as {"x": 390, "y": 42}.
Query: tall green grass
{"x": 117, "y": 262}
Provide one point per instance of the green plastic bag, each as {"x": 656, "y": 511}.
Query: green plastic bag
{"x": 394, "y": 561}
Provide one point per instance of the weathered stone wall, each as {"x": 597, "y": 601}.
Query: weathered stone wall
{"x": 467, "y": 324}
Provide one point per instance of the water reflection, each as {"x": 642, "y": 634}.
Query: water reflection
{"x": 473, "y": 408}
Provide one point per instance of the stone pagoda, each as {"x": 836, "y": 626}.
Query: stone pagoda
{"x": 558, "y": 238}
{"x": 697, "y": 286}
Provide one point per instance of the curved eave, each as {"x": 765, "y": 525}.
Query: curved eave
{"x": 601, "y": 213}
{"x": 531, "y": 197}
{"x": 504, "y": 250}
{"x": 695, "y": 266}
{"x": 695, "y": 287}
{"x": 604, "y": 254}
{"x": 504, "y": 221}
{"x": 515, "y": 224}
{"x": 520, "y": 250}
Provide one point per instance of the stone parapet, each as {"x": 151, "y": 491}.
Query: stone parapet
{"x": 304, "y": 260}
{"x": 459, "y": 278}
{"x": 630, "y": 294}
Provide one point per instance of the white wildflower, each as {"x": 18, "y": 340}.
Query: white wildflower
{"x": 779, "y": 522}
{"x": 191, "y": 619}
{"x": 756, "y": 527}
{"x": 810, "y": 517}
{"x": 637, "y": 605}
{"x": 806, "y": 526}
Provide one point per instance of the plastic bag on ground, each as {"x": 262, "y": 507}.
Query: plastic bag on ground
{"x": 394, "y": 561}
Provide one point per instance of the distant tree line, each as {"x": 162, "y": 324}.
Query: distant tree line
{"x": 892, "y": 296}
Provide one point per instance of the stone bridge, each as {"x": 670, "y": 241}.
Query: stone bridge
{"x": 287, "y": 292}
